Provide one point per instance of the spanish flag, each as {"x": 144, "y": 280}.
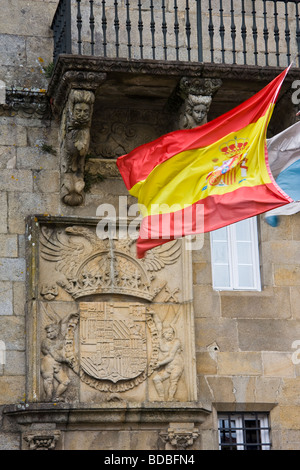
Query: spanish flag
{"x": 198, "y": 180}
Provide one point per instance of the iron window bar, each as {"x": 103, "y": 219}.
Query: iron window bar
{"x": 244, "y": 436}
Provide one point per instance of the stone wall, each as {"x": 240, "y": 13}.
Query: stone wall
{"x": 244, "y": 340}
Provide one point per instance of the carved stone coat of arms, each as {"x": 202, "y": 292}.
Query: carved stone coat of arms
{"x": 104, "y": 322}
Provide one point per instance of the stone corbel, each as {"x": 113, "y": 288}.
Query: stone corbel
{"x": 75, "y": 141}
{"x": 179, "y": 436}
{"x": 197, "y": 94}
{"x": 42, "y": 440}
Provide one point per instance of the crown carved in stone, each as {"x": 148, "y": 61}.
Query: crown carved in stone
{"x": 94, "y": 266}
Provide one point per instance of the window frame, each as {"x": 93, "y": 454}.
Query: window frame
{"x": 233, "y": 258}
{"x": 239, "y": 428}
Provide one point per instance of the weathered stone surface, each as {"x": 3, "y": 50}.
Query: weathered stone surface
{"x": 3, "y": 212}
{"x": 12, "y": 134}
{"x": 278, "y": 364}
{"x": 12, "y": 332}
{"x": 207, "y": 302}
{"x": 12, "y": 269}
{"x": 9, "y": 441}
{"x": 6, "y": 298}
{"x": 272, "y": 302}
{"x": 222, "y": 331}
{"x": 12, "y": 50}
{"x": 230, "y": 363}
{"x": 46, "y": 181}
{"x": 23, "y": 204}
{"x": 19, "y": 298}
{"x": 207, "y": 364}
{"x": 12, "y": 389}
{"x": 267, "y": 335}
{"x": 286, "y": 275}
{"x": 8, "y": 246}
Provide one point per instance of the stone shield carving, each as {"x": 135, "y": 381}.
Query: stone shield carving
{"x": 113, "y": 344}
{"x": 101, "y": 319}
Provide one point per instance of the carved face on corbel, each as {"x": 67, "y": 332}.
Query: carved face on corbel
{"x": 82, "y": 113}
{"x": 196, "y": 110}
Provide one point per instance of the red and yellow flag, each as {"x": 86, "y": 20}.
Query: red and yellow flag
{"x": 219, "y": 170}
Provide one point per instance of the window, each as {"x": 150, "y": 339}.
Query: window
{"x": 244, "y": 431}
{"x": 235, "y": 256}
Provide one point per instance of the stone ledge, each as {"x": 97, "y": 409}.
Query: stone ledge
{"x": 90, "y": 72}
{"x": 125, "y": 413}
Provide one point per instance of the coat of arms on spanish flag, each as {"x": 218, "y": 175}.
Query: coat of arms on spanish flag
{"x": 217, "y": 173}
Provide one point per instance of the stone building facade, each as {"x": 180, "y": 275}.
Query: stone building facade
{"x": 86, "y": 327}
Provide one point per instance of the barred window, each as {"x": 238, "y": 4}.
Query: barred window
{"x": 244, "y": 431}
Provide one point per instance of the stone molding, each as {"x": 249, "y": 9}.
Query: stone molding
{"x": 74, "y": 71}
{"x": 26, "y": 104}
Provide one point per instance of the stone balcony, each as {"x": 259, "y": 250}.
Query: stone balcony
{"x": 140, "y": 65}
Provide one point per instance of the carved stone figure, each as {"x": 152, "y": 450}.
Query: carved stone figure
{"x": 197, "y": 95}
{"x": 75, "y": 144}
{"x": 42, "y": 440}
{"x": 196, "y": 111}
{"x": 49, "y": 291}
{"x": 170, "y": 362}
{"x": 180, "y": 436}
{"x": 53, "y": 350}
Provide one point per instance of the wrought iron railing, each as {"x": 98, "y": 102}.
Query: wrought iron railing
{"x": 250, "y": 32}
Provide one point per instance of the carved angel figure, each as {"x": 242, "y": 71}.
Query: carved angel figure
{"x": 170, "y": 363}
{"x": 55, "y": 378}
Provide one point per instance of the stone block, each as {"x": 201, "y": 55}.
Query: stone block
{"x": 26, "y": 17}
{"x": 206, "y": 363}
{"x": 12, "y": 332}
{"x": 2, "y": 92}
{"x": 269, "y": 303}
{"x": 295, "y": 302}
{"x": 12, "y": 49}
{"x": 15, "y": 363}
{"x": 239, "y": 363}
{"x": 266, "y": 390}
{"x": 202, "y": 273}
{"x": 295, "y": 225}
{"x": 16, "y": 180}
{"x": 222, "y": 389}
{"x": 277, "y": 364}
{"x": 8, "y": 246}
{"x": 289, "y": 391}
{"x": 281, "y": 251}
{"x": 33, "y": 158}
{"x": 9, "y": 441}
{"x": 206, "y": 302}
{"x": 286, "y": 275}
{"x": 12, "y": 135}
{"x": 6, "y": 298}
{"x": 3, "y": 212}
{"x": 243, "y": 388}
{"x": 267, "y": 335}
{"x": 23, "y": 204}
{"x": 19, "y": 298}
{"x": 7, "y": 155}
{"x": 12, "y": 389}
{"x": 222, "y": 331}
{"x": 290, "y": 417}
{"x": 12, "y": 269}
{"x": 46, "y": 181}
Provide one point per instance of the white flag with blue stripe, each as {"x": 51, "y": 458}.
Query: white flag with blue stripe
{"x": 284, "y": 161}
